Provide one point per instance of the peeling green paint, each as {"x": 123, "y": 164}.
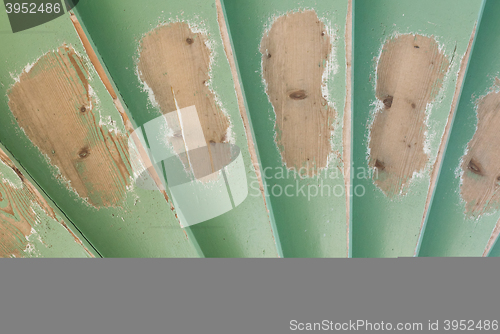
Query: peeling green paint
{"x": 383, "y": 227}
{"x": 244, "y": 231}
{"x": 308, "y": 226}
{"x": 48, "y": 238}
{"x": 449, "y": 231}
{"x": 144, "y": 225}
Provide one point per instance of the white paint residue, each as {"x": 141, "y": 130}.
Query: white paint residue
{"x": 26, "y": 69}
{"x": 30, "y": 247}
{"x": 459, "y": 171}
{"x": 428, "y": 137}
{"x": 330, "y": 71}
{"x": 145, "y": 88}
{"x": 104, "y": 121}
{"x": 10, "y": 177}
{"x": 164, "y": 135}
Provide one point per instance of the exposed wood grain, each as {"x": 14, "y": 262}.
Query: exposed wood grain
{"x": 16, "y": 219}
{"x": 480, "y": 186}
{"x": 126, "y": 121}
{"x": 409, "y": 76}
{"x": 294, "y": 54}
{"x": 93, "y": 56}
{"x": 17, "y": 214}
{"x": 175, "y": 63}
{"x": 53, "y": 104}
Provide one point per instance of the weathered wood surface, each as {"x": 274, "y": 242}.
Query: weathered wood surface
{"x": 29, "y": 225}
{"x": 68, "y": 131}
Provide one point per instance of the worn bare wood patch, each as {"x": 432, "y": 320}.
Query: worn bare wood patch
{"x": 410, "y": 73}
{"x": 175, "y": 63}
{"x": 480, "y": 186}
{"x": 126, "y": 121}
{"x": 52, "y": 103}
{"x": 294, "y": 55}
{"x": 17, "y": 216}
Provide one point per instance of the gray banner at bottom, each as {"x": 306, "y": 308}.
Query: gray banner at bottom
{"x": 249, "y": 295}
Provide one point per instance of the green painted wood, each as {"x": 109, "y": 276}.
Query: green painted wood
{"x": 51, "y": 235}
{"x": 142, "y": 226}
{"x": 309, "y": 224}
{"x": 495, "y": 250}
{"x": 116, "y": 27}
{"x": 382, "y": 227}
{"x": 449, "y": 232}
